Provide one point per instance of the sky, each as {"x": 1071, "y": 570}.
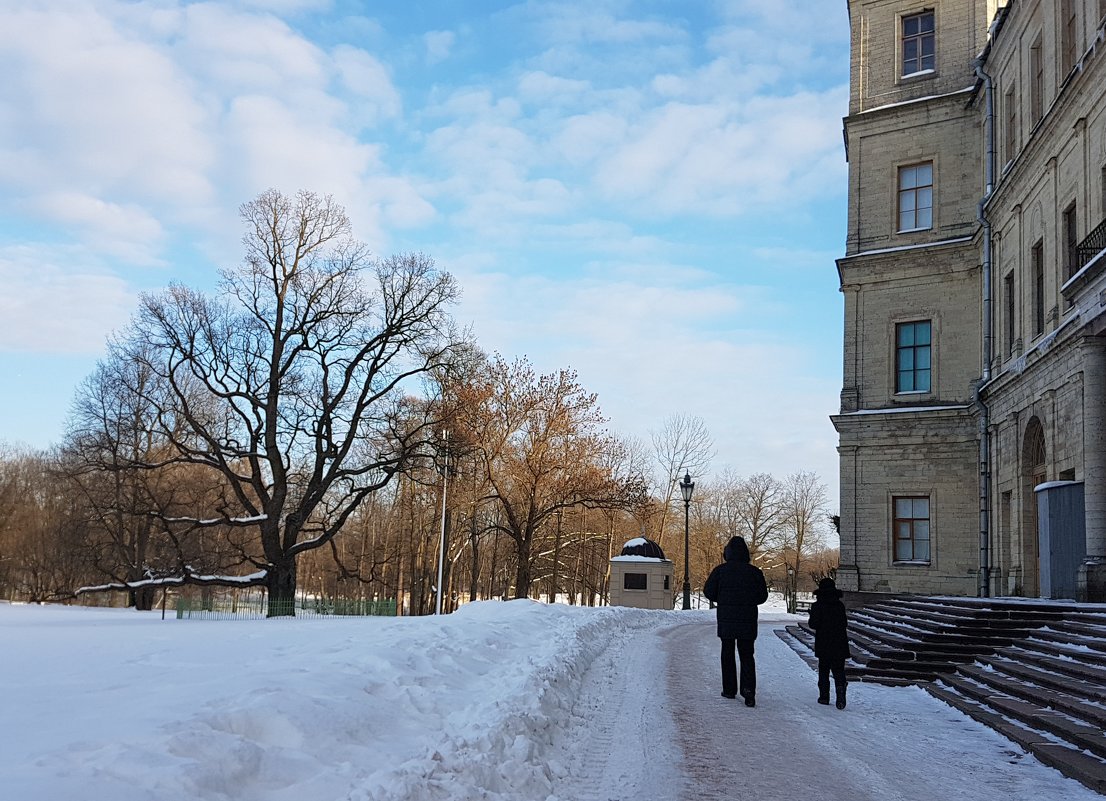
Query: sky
{"x": 651, "y": 193}
{"x": 503, "y": 701}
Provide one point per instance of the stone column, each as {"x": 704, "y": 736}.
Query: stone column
{"x": 1091, "y": 582}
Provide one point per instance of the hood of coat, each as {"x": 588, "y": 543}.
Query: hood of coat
{"x": 736, "y": 550}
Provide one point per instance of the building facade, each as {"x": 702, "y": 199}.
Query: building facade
{"x": 974, "y": 279}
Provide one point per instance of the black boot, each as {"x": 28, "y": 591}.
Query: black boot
{"x": 840, "y": 699}
{"x": 823, "y": 699}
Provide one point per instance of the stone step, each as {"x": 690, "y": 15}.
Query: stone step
{"x": 1071, "y": 702}
{"x": 1035, "y": 716}
{"x": 1095, "y": 691}
{"x": 1069, "y": 760}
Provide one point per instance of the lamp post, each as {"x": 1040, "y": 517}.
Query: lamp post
{"x": 790, "y": 589}
{"x": 687, "y": 486}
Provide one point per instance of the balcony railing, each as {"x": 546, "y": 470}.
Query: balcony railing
{"x": 1090, "y": 247}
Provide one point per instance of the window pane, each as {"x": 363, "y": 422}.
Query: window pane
{"x": 906, "y": 382}
{"x": 925, "y": 174}
{"x": 925, "y": 198}
{"x": 902, "y": 530}
{"x": 906, "y": 201}
{"x": 921, "y": 530}
{"x": 908, "y": 177}
{"x": 906, "y": 334}
{"x": 922, "y": 333}
{"x": 927, "y": 45}
{"x": 921, "y": 380}
{"x": 634, "y": 581}
{"x": 925, "y": 218}
{"x": 925, "y": 22}
{"x": 910, "y": 26}
{"x": 921, "y": 551}
{"x": 921, "y": 508}
{"x": 909, "y": 50}
{"x": 903, "y": 507}
{"x": 921, "y": 358}
{"x": 903, "y": 551}
{"x": 906, "y": 359}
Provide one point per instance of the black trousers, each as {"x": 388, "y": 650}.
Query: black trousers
{"x": 836, "y": 666}
{"x": 748, "y": 685}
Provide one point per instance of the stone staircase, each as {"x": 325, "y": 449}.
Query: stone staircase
{"x": 1035, "y": 671}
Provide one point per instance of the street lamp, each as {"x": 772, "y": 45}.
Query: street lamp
{"x": 687, "y": 486}
{"x": 790, "y": 589}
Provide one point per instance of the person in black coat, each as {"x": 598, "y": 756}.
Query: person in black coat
{"x": 831, "y": 639}
{"x": 737, "y": 587}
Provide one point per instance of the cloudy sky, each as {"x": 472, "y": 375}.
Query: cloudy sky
{"x": 652, "y": 193}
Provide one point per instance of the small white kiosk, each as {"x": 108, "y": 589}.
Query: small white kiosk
{"x": 642, "y": 577}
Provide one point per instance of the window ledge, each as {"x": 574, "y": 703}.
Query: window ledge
{"x": 911, "y": 563}
{"x": 913, "y": 230}
{"x": 920, "y": 74}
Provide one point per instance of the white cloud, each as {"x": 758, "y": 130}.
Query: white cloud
{"x": 671, "y": 341}
{"x": 439, "y": 44}
{"x": 50, "y": 306}
{"x": 369, "y": 81}
{"x": 127, "y": 231}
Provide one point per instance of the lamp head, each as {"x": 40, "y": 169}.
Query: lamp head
{"x": 687, "y": 486}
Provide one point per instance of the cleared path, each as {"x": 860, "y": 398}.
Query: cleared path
{"x": 650, "y": 724}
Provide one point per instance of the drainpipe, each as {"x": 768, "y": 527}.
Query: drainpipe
{"x": 981, "y": 405}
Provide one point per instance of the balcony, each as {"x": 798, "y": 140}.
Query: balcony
{"x": 1090, "y": 247}
{"x": 1087, "y": 261}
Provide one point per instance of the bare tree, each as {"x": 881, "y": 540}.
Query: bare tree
{"x": 683, "y": 445}
{"x": 287, "y": 385}
{"x": 540, "y": 448}
{"x": 804, "y": 510}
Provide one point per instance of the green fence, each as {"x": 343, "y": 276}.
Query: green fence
{"x": 258, "y": 607}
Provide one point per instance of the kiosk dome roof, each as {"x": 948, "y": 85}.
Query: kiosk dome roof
{"x": 639, "y": 546}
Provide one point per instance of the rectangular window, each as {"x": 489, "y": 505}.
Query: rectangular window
{"x": 916, "y": 197}
{"x": 1036, "y": 82}
{"x": 666, "y": 581}
{"x": 635, "y": 581}
{"x": 913, "y": 349}
{"x": 1038, "y": 264}
{"x": 1071, "y": 261}
{"x": 911, "y": 529}
{"x": 1068, "y": 40}
{"x": 1010, "y": 107}
{"x": 918, "y": 44}
{"x": 1008, "y": 312}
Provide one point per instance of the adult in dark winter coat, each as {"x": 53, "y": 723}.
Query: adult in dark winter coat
{"x": 737, "y": 587}
{"x": 831, "y": 639}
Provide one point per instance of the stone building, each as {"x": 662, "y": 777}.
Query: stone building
{"x": 641, "y": 576}
{"x": 974, "y": 279}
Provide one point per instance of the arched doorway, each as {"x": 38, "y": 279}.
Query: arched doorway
{"x": 1033, "y": 473}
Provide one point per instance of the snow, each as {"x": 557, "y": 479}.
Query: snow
{"x": 633, "y": 558}
{"x": 500, "y": 700}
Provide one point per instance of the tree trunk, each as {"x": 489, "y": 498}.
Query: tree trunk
{"x": 523, "y": 572}
{"x": 281, "y": 583}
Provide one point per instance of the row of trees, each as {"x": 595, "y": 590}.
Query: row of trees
{"x": 319, "y": 425}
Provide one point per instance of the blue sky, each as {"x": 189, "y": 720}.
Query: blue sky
{"x": 652, "y": 193}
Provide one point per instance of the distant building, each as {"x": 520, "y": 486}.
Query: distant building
{"x": 973, "y": 407}
{"x": 641, "y": 576}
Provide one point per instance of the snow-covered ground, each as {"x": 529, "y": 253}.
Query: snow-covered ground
{"x": 501, "y": 700}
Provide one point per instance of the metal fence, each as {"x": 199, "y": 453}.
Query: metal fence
{"x": 255, "y": 607}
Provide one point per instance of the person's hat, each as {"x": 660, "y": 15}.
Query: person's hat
{"x": 827, "y": 589}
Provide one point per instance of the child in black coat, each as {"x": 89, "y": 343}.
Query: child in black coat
{"x": 831, "y": 639}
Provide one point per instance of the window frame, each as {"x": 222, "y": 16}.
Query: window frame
{"x": 912, "y": 524}
{"x": 1069, "y": 40}
{"x": 1037, "y": 267}
{"x": 914, "y": 349}
{"x": 918, "y": 39}
{"x": 644, "y": 581}
{"x": 1010, "y": 117}
{"x": 913, "y": 192}
{"x": 1010, "y": 305}
{"x": 1036, "y": 82}
{"x": 1069, "y": 230}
